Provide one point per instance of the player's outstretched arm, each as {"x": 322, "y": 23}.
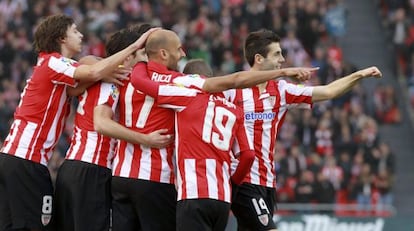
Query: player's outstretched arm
{"x": 343, "y": 85}
{"x": 244, "y": 79}
{"x": 104, "y": 124}
{"x": 104, "y": 67}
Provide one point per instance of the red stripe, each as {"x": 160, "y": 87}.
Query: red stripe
{"x": 290, "y": 98}
{"x": 202, "y": 183}
{"x": 121, "y": 157}
{"x": 136, "y": 162}
{"x": 16, "y": 140}
{"x": 83, "y": 136}
{"x": 155, "y": 162}
{"x": 258, "y": 131}
{"x": 220, "y": 180}
{"x": 181, "y": 168}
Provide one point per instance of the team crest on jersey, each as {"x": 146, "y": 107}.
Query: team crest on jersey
{"x": 264, "y": 219}
{"x": 272, "y": 100}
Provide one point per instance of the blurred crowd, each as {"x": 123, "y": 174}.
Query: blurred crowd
{"x": 398, "y": 19}
{"x": 330, "y": 154}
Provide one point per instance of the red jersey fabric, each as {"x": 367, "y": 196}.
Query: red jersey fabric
{"x": 263, "y": 116}
{"x": 44, "y": 106}
{"x": 88, "y": 145}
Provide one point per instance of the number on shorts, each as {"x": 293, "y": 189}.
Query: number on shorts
{"x": 259, "y": 206}
{"x": 47, "y": 204}
{"x": 218, "y": 113}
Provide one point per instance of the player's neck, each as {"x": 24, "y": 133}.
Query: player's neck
{"x": 261, "y": 86}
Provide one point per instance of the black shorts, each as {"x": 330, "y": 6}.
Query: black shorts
{"x": 142, "y": 205}
{"x": 253, "y": 207}
{"x": 202, "y": 214}
{"x": 26, "y": 192}
{"x": 82, "y": 197}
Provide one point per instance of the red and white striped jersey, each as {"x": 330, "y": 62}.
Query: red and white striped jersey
{"x": 88, "y": 145}
{"x": 208, "y": 130}
{"x": 263, "y": 116}
{"x": 139, "y": 112}
{"x": 44, "y": 106}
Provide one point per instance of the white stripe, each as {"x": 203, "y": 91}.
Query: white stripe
{"x": 75, "y": 148}
{"x": 211, "y": 179}
{"x": 25, "y": 140}
{"x": 254, "y": 173}
{"x": 12, "y": 136}
{"x": 145, "y": 163}
{"x": 190, "y": 178}
{"x": 226, "y": 183}
{"x": 128, "y": 105}
{"x": 61, "y": 67}
{"x": 168, "y": 90}
{"x": 165, "y": 168}
{"x": 90, "y": 146}
{"x": 126, "y": 164}
{"x": 265, "y": 149}
{"x": 51, "y": 140}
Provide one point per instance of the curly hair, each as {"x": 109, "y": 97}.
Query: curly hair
{"x": 50, "y": 31}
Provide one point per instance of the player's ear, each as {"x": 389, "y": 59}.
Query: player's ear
{"x": 258, "y": 58}
{"x": 163, "y": 53}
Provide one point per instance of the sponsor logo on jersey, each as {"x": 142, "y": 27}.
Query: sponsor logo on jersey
{"x": 114, "y": 91}
{"x": 67, "y": 61}
{"x": 259, "y": 115}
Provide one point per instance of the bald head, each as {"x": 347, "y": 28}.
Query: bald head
{"x": 164, "y": 47}
{"x": 160, "y": 39}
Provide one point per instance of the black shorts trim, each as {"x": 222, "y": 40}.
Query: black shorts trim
{"x": 143, "y": 205}
{"x": 82, "y": 197}
{"x": 253, "y": 206}
{"x": 26, "y": 194}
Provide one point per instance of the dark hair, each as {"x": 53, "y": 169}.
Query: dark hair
{"x": 125, "y": 37}
{"x": 258, "y": 42}
{"x": 49, "y": 32}
{"x": 198, "y": 66}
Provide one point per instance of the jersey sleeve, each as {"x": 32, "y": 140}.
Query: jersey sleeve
{"x": 168, "y": 96}
{"x": 141, "y": 81}
{"x": 292, "y": 95}
{"x": 64, "y": 70}
{"x": 109, "y": 94}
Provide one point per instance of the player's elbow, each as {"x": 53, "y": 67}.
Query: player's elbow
{"x": 98, "y": 127}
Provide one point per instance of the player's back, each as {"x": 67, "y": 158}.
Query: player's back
{"x": 206, "y": 132}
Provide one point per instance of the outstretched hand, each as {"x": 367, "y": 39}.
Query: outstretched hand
{"x": 158, "y": 139}
{"x": 371, "y": 71}
{"x": 300, "y": 73}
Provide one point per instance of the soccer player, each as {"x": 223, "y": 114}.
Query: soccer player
{"x": 25, "y": 184}
{"x": 83, "y": 184}
{"x": 198, "y": 66}
{"x": 164, "y": 50}
{"x": 265, "y": 106}
{"x": 208, "y": 128}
